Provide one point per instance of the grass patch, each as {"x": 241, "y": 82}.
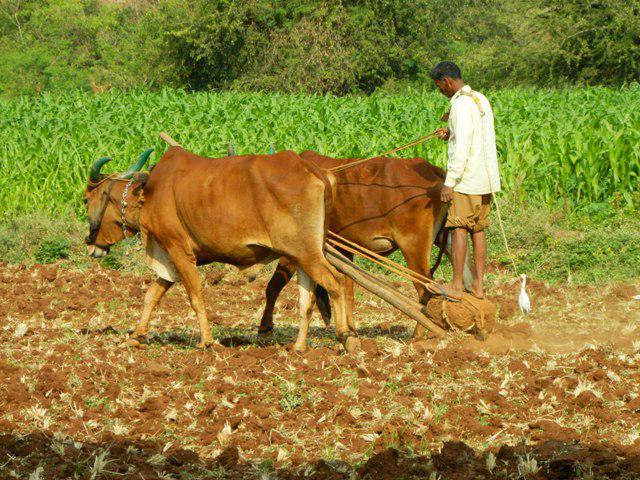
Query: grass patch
{"x": 38, "y": 239}
{"x": 52, "y": 249}
{"x": 598, "y": 242}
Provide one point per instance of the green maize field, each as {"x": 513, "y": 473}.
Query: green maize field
{"x": 572, "y": 145}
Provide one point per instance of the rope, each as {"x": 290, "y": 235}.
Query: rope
{"x": 417, "y": 141}
{"x": 504, "y": 235}
{"x": 113, "y": 176}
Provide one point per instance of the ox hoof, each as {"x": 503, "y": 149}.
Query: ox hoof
{"x": 140, "y": 337}
{"x": 205, "y": 344}
{"x": 132, "y": 343}
{"x": 263, "y": 332}
{"x": 299, "y": 348}
{"x": 480, "y": 335}
{"x": 352, "y": 344}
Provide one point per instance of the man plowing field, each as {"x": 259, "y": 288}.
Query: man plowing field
{"x": 472, "y": 173}
{"x": 385, "y": 204}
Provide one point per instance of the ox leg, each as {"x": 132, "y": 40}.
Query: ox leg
{"x": 417, "y": 253}
{"x": 322, "y": 301}
{"x": 323, "y": 273}
{"x": 306, "y": 302}
{"x": 153, "y": 296}
{"x": 349, "y": 302}
{"x": 189, "y": 276}
{"x": 349, "y": 287}
{"x": 279, "y": 280}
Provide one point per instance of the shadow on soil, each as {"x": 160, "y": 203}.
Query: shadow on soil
{"x": 116, "y": 457}
{"x": 243, "y": 337}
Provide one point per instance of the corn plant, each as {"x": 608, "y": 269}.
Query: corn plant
{"x": 579, "y": 145}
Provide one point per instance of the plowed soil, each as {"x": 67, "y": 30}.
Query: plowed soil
{"x": 555, "y": 394}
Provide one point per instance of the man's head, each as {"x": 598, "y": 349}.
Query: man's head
{"x": 447, "y": 78}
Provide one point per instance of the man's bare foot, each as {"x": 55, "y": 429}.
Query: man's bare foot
{"x": 477, "y": 291}
{"x": 450, "y": 291}
{"x": 446, "y": 290}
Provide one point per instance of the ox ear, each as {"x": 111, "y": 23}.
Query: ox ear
{"x": 138, "y": 164}
{"x": 94, "y": 173}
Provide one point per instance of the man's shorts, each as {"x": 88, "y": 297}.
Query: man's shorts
{"x": 469, "y": 211}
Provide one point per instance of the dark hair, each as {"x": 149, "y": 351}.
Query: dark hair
{"x": 445, "y": 69}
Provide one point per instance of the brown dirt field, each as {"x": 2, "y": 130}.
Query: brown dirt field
{"x": 552, "y": 395}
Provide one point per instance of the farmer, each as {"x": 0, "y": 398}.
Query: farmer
{"x": 472, "y": 173}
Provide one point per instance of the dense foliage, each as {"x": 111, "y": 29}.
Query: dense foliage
{"x": 572, "y": 146}
{"x": 338, "y": 46}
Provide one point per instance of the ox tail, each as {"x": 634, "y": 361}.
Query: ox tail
{"x": 329, "y": 181}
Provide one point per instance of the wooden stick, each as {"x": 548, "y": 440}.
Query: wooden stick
{"x": 361, "y": 272}
{"x": 386, "y": 266}
{"x": 381, "y": 289}
{"x": 169, "y": 140}
{"x": 388, "y": 261}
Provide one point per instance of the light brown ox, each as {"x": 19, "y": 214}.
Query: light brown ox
{"x": 241, "y": 210}
{"x": 385, "y": 204}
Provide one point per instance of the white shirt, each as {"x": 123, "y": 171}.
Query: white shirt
{"x": 472, "y": 167}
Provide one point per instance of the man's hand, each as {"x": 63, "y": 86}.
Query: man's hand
{"x": 442, "y": 133}
{"x": 446, "y": 194}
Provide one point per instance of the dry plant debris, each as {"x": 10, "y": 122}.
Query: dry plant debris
{"x": 552, "y": 395}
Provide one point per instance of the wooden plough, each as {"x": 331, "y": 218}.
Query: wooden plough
{"x": 470, "y": 315}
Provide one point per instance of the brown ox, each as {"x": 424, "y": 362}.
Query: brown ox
{"x": 385, "y": 204}
{"x": 241, "y": 210}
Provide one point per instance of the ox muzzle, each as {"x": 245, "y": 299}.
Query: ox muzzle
{"x": 96, "y": 251}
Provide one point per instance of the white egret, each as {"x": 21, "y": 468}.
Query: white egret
{"x": 523, "y": 299}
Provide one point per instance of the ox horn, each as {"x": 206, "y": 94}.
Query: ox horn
{"x": 94, "y": 173}
{"x": 138, "y": 164}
